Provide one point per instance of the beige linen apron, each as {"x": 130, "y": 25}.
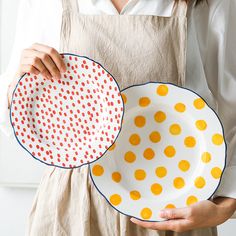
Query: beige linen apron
{"x": 134, "y": 49}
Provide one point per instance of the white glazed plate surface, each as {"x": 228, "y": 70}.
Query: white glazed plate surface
{"x": 170, "y": 152}
{"x": 71, "y": 121}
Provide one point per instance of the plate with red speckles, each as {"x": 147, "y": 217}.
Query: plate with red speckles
{"x": 71, "y": 121}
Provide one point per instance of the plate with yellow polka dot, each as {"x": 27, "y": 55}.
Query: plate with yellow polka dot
{"x": 170, "y": 153}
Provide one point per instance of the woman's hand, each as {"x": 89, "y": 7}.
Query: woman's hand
{"x": 38, "y": 59}
{"x": 199, "y": 215}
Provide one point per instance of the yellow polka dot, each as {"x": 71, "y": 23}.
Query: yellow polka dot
{"x": 184, "y": 165}
{"x": 144, "y": 101}
{"x": 156, "y": 189}
{"x": 116, "y": 176}
{"x": 140, "y": 121}
{"x": 175, "y": 129}
{"x": 124, "y": 98}
{"x": 134, "y": 139}
{"x": 155, "y": 137}
{"x": 140, "y": 174}
{"x": 162, "y": 90}
{"x": 170, "y": 206}
{"x": 180, "y": 107}
{"x": 190, "y": 141}
{"x": 200, "y": 182}
{"x": 149, "y": 153}
{"x": 146, "y": 213}
{"x": 201, "y": 124}
{"x": 130, "y": 157}
{"x": 135, "y": 195}
{"x": 191, "y": 200}
{"x": 178, "y": 183}
{"x": 115, "y": 199}
{"x": 216, "y": 172}
{"x": 199, "y": 103}
{"x": 206, "y": 157}
{"x": 161, "y": 171}
{"x": 169, "y": 151}
{"x": 98, "y": 170}
{"x": 112, "y": 147}
{"x": 160, "y": 116}
{"x": 217, "y": 139}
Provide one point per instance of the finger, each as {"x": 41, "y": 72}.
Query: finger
{"x": 145, "y": 224}
{"x": 178, "y": 213}
{"x": 53, "y": 53}
{"x": 29, "y": 69}
{"x": 173, "y": 225}
{"x": 46, "y": 60}
{"x": 179, "y": 225}
{"x": 37, "y": 63}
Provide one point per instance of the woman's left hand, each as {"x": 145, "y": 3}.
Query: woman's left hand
{"x": 199, "y": 215}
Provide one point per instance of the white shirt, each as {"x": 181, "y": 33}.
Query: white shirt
{"x": 211, "y": 57}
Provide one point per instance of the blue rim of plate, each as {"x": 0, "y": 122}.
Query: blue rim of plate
{"x": 68, "y": 168}
{"x": 225, "y": 157}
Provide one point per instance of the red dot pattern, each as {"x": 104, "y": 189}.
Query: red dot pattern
{"x": 70, "y": 121}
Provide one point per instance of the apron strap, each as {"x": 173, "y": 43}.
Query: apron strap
{"x": 71, "y": 5}
{"x": 180, "y": 8}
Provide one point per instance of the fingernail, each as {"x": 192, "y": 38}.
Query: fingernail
{"x": 57, "y": 77}
{"x": 132, "y": 219}
{"x": 63, "y": 69}
{"x": 47, "y": 76}
{"x": 162, "y": 213}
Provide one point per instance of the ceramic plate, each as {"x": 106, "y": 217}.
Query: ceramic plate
{"x": 170, "y": 152}
{"x": 71, "y": 121}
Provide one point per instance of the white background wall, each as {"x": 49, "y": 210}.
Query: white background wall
{"x": 17, "y": 169}
{"x": 19, "y": 174}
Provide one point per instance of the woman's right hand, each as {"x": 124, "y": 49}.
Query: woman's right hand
{"x": 38, "y": 59}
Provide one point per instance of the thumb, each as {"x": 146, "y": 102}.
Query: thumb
{"x": 178, "y": 213}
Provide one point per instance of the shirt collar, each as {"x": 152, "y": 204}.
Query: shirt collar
{"x": 107, "y": 7}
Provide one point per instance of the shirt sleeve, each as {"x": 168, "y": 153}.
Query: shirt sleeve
{"x": 220, "y": 68}
{"x": 23, "y": 19}
{"x": 34, "y": 24}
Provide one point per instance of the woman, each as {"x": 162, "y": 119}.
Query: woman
{"x": 150, "y": 46}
